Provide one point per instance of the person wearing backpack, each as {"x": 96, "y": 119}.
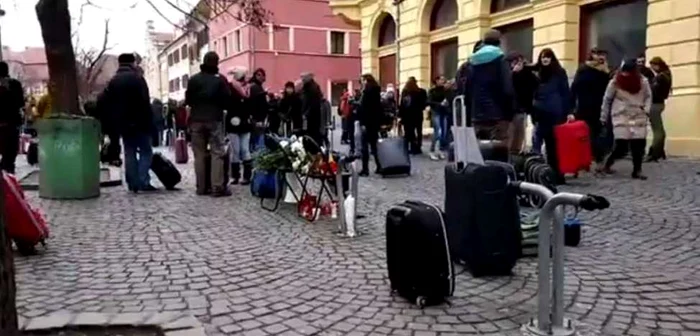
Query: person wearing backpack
{"x": 11, "y": 103}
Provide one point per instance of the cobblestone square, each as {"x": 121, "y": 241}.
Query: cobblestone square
{"x": 242, "y": 270}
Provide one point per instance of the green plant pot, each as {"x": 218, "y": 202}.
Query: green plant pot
{"x": 69, "y": 157}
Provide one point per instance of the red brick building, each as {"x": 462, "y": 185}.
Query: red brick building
{"x": 304, "y": 36}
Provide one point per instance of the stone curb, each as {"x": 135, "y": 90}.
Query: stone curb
{"x": 170, "y": 323}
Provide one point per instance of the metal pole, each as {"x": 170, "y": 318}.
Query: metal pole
{"x": 342, "y": 227}
{"x": 2, "y": 14}
{"x": 398, "y": 3}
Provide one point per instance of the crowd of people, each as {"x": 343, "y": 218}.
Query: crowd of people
{"x": 226, "y": 116}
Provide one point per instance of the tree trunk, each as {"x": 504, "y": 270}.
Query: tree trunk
{"x": 54, "y": 19}
{"x": 8, "y": 307}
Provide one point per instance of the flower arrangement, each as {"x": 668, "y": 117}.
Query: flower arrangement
{"x": 289, "y": 156}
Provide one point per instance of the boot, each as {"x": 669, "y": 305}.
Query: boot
{"x": 247, "y": 172}
{"x": 235, "y": 172}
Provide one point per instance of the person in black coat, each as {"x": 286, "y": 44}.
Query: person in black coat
{"x": 524, "y": 83}
{"x": 370, "y": 117}
{"x": 158, "y": 121}
{"x": 311, "y": 109}
{"x": 660, "y": 90}
{"x": 290, "y": 109}
{"x": 587, "y": 91}
{"x": 128, "y": 103}
{"x": 413, "y": 102}
{"x": 259, "y": 108}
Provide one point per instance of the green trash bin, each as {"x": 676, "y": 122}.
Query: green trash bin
{"x": 69, "y": 157}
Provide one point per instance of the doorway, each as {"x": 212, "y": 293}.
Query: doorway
{"x": 387, "y": 70}
{"x": 444, "y": 58}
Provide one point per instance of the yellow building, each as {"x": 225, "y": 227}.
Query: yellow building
{"x": 433, "y": 36}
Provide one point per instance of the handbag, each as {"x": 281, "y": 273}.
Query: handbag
{"x": 266, "y": 184}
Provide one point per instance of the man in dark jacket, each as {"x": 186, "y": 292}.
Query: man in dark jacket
{"x": 207, "y": 96}
{"x": 370, "y": 116}
{"x": 489, "y": 90}
{"x": 290, "y": 109}
{"x": 311, "y": 107}
{"x": 643, "y": 69}
{"x": 128, "y": 104}
{"x": 11, "y": 103}
{"x": 158, "y": 121}
{"x": 587, "y": 91}
{"x": 524, "y": 84}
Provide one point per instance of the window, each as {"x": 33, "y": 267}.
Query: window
{"x": 216, "y": 46}
{"x": 501, "y": 5}
{"x": 184, "y": 52}
{"x": 238, "y": 44}
{"x": 517, "y": 37}
{"x": 177, "y": 84}
{"x": 337, "y": 43}
{"x": 444, "y": 58}
{"x": 444, "y": 14}
{"x": 621, "y": 29}
{"x": 176, "y": 56}
{"x": 225, "y": 43}
{"x": 185, "y": 79}
{"x": 170, "y": 59}
{"x": 387, "y": 31}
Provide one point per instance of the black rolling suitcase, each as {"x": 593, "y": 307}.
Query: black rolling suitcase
{"x": 166, "y": 171}
{"x": 482, "y": 214}
{"x": 33, "y": 153}
{"x": 418, "y": 258}
{"x": 393, "y": 156}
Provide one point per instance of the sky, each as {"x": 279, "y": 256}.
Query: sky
{"x": 20, "y": 27}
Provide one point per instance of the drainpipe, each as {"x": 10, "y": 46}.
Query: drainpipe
{"x": 251, "y": 38}
{"x": 398, "y": 3}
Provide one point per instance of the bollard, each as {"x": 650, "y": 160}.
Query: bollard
{"x": 550, "y": 302}
{"x": 354, "y": 182}
{"x": 342, "y": 228}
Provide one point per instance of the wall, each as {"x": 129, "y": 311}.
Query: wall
{"x": 297, "y": 41}
{"x": 673, "y": 33}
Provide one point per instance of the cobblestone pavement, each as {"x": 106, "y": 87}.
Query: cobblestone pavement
{"x": 243, "y": 270}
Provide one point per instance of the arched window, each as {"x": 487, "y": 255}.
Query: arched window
{"x": 444, "y": 14}
{"x": 501, "y": 5}
{"x": 387, "y": 31}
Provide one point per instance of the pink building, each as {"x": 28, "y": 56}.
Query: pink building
{"x": 304, "y": 36}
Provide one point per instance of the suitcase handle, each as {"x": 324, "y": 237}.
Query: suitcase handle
{"x": 459, "y": 104}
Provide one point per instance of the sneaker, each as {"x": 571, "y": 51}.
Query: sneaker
{"x": 221, "y": 193}
{"x": 441, "y": 156}
{"x": 434, "y": 156}
{"x": 639, "y": 176}
{"x": 149, "y": 188}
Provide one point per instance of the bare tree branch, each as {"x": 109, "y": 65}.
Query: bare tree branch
{"x": 251, "y": 12}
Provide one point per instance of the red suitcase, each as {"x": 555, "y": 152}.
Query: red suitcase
{"x": 25, "y": 224}
{"x": 573, "y": 147}
{"x": 181, "y": 155}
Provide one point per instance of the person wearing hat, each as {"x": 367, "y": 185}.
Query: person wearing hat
{"x": 128, "y": 104}
{"x": 524, "y": 83}
{"x": 587, "y": 90}
{"x": 208, "y": 94}
{"x": 627, "y": 102}
{"x": 489, "y": 90}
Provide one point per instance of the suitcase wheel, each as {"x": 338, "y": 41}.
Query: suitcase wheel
{"x": 421, "y": 302}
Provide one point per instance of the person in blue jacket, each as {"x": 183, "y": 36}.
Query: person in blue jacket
{"x": 551, "y": 104}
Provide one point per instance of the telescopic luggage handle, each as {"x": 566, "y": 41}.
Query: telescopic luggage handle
{"x": 458, "y": 104}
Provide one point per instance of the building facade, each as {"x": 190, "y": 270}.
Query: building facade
{"x": 304, "y": 37}
{"x": 434, "y": 36}
{"x": 30, "y": 67}
{"x": 155, "y": 42}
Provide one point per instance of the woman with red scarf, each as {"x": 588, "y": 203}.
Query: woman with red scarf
{"x": 627, "y": 102}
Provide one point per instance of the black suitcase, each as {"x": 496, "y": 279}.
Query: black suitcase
{"x": 166, "y": 171}
{"x": 393, "y": 157}
{"x": 418, "y": 258}
{"x": 483, "y": 218}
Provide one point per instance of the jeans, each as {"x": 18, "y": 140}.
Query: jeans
{"x": 257, "y": 140}
{"x": 239, "y": 147}
{"x": 622, "y": 147}
{"x": 137, "y": 168}
{"x": 659, "y": 132}
{"x": 439, "y": 131}
{"x": 9, "y": 148}
{"x": 349, "y": 124}
{"x": 546, "y": 134}
{"x": 208, "y": 138}
{"x": 537, "y": 140}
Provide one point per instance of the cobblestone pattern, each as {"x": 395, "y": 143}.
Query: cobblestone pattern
{"x": 243, "y": 270}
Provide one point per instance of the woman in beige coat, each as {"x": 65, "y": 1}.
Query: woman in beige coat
{"x": 627, "y": 103}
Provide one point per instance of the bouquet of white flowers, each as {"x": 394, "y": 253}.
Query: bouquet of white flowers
{"x": 294, "y": 148}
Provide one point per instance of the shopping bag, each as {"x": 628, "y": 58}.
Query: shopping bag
{"x": 466, "y": 145}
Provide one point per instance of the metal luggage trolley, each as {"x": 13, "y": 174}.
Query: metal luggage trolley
{"x": 550, "y": 319}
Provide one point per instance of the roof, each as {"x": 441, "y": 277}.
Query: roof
{"x": 162, "y": 37}
{"x": 30, "y": 55}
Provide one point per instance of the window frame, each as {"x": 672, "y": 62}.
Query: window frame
{"x": 386, "y": 23}
{"x": 176, "y": 56}
{"x": 437, "y": 6}
{"x": 184, "y": 54}
{"x": 504, "y": 5}
{"x": 337, "y": 42}
{"x": 170, "y": 59}
{"x": 237, "y": 36}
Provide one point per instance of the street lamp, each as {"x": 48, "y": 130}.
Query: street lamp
{"x": 397, "y": 4}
